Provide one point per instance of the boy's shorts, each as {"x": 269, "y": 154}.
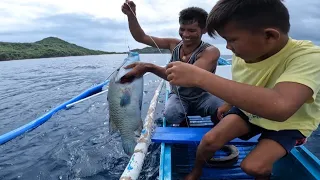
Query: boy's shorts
{"x": 286, "y": 138}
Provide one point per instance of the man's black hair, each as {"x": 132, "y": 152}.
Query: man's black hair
{"x": 193, "y": 14}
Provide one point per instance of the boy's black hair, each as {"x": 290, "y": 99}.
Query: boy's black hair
{"x": 193, "y": 14}
{"x": 249, "y": 14}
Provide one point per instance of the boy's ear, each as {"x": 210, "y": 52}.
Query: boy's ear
{"x": 272, "y": 34}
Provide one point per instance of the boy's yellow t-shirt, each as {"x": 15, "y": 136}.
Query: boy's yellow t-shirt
{"x": 298, "y": 61}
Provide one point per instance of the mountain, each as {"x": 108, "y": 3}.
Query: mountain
{"x": 48, "y": 47}
{"x": 55, "y": 47}
{"x": 151, "y": 50}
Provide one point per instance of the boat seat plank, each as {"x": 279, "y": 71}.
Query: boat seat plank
{"x": 185, "y": 135}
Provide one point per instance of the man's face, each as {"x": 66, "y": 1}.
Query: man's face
{"x": 190, "y": 33}
{"x": 244, "y": 43}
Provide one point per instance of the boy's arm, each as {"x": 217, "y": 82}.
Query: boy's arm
{"x": 299, "y": 84}
{"x": 276, "y": 104}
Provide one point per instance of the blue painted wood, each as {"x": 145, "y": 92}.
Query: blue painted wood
{"x": 291, "y": 167}
{"x": 44, "y": 118}
{"x": 165, "y": 154}
{"x": 162, "y": 162}
{"x": 181, "y": 135}
{"x": 167, "y": 166}
{"x": 307, "y": 160}
{"x": 165, "y": 162}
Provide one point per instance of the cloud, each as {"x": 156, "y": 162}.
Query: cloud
{"x": 100, "y": 24}
{"x": 304, "y": 19}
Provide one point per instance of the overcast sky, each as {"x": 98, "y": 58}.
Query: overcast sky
{"x": 100, "y": 24}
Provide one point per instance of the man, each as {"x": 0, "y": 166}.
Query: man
{"x": 191, "y": 49}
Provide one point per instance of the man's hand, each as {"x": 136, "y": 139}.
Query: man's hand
{"x": 126, "y": 9}
{"x": 222, "y": 110}
{"x": 183, "y": 74}
{"x": 138, "y": 70}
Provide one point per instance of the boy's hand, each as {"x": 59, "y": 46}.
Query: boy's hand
{"x": 126, "y": 9}
{"x": 222, "y": 110}
{"x": 138, "y": 70}
{"x": 183, "y": 74}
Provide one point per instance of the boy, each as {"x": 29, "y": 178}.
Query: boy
{"x": 275, "y": 87}
{"x": 190, "y": 49}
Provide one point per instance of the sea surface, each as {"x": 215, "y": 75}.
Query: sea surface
{"x": 74, "y": 144}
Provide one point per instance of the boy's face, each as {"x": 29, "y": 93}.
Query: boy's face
{"x": 249, "y": 46}
{"x": 190, "y": 33}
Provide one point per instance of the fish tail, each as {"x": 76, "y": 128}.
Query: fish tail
{"x": 128, "y": 146}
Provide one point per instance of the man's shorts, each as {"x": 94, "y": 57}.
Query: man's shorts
{"x": 286, "y": 138}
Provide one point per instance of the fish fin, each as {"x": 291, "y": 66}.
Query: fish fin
{"x": 136, "y": 139}
{"x": 137, "y": 132}
{"x": 140, "y": 101}
{"x": 128, "y": 146}
{"x": 125, "y": 99}
{"x": 137, "y": 135}
{"x": 112, "y": 127}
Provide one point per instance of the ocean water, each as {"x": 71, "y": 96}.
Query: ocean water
{"x": 74, "y": 143}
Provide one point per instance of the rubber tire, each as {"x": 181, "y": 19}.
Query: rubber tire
{"x": 226, "y": 161}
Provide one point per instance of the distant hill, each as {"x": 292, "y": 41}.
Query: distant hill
{"x": 48, "y": 47}
{"x": 151, "y": 50}
{"x": 55, "y": 47}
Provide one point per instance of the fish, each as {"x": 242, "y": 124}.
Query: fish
{"x": 125, "y": 103}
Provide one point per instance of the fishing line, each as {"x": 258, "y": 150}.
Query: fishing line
{"x": 126, "y": 34}
{"x": 125, "y": 60}
{"x": 137, "y": 18}
{"x": 178, "y": 94}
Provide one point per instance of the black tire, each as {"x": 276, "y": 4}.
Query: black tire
{"x": 226, "y": 161}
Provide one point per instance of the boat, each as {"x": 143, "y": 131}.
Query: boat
{"x": 178, "y": 144}
{"x": 178, "y": 149}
